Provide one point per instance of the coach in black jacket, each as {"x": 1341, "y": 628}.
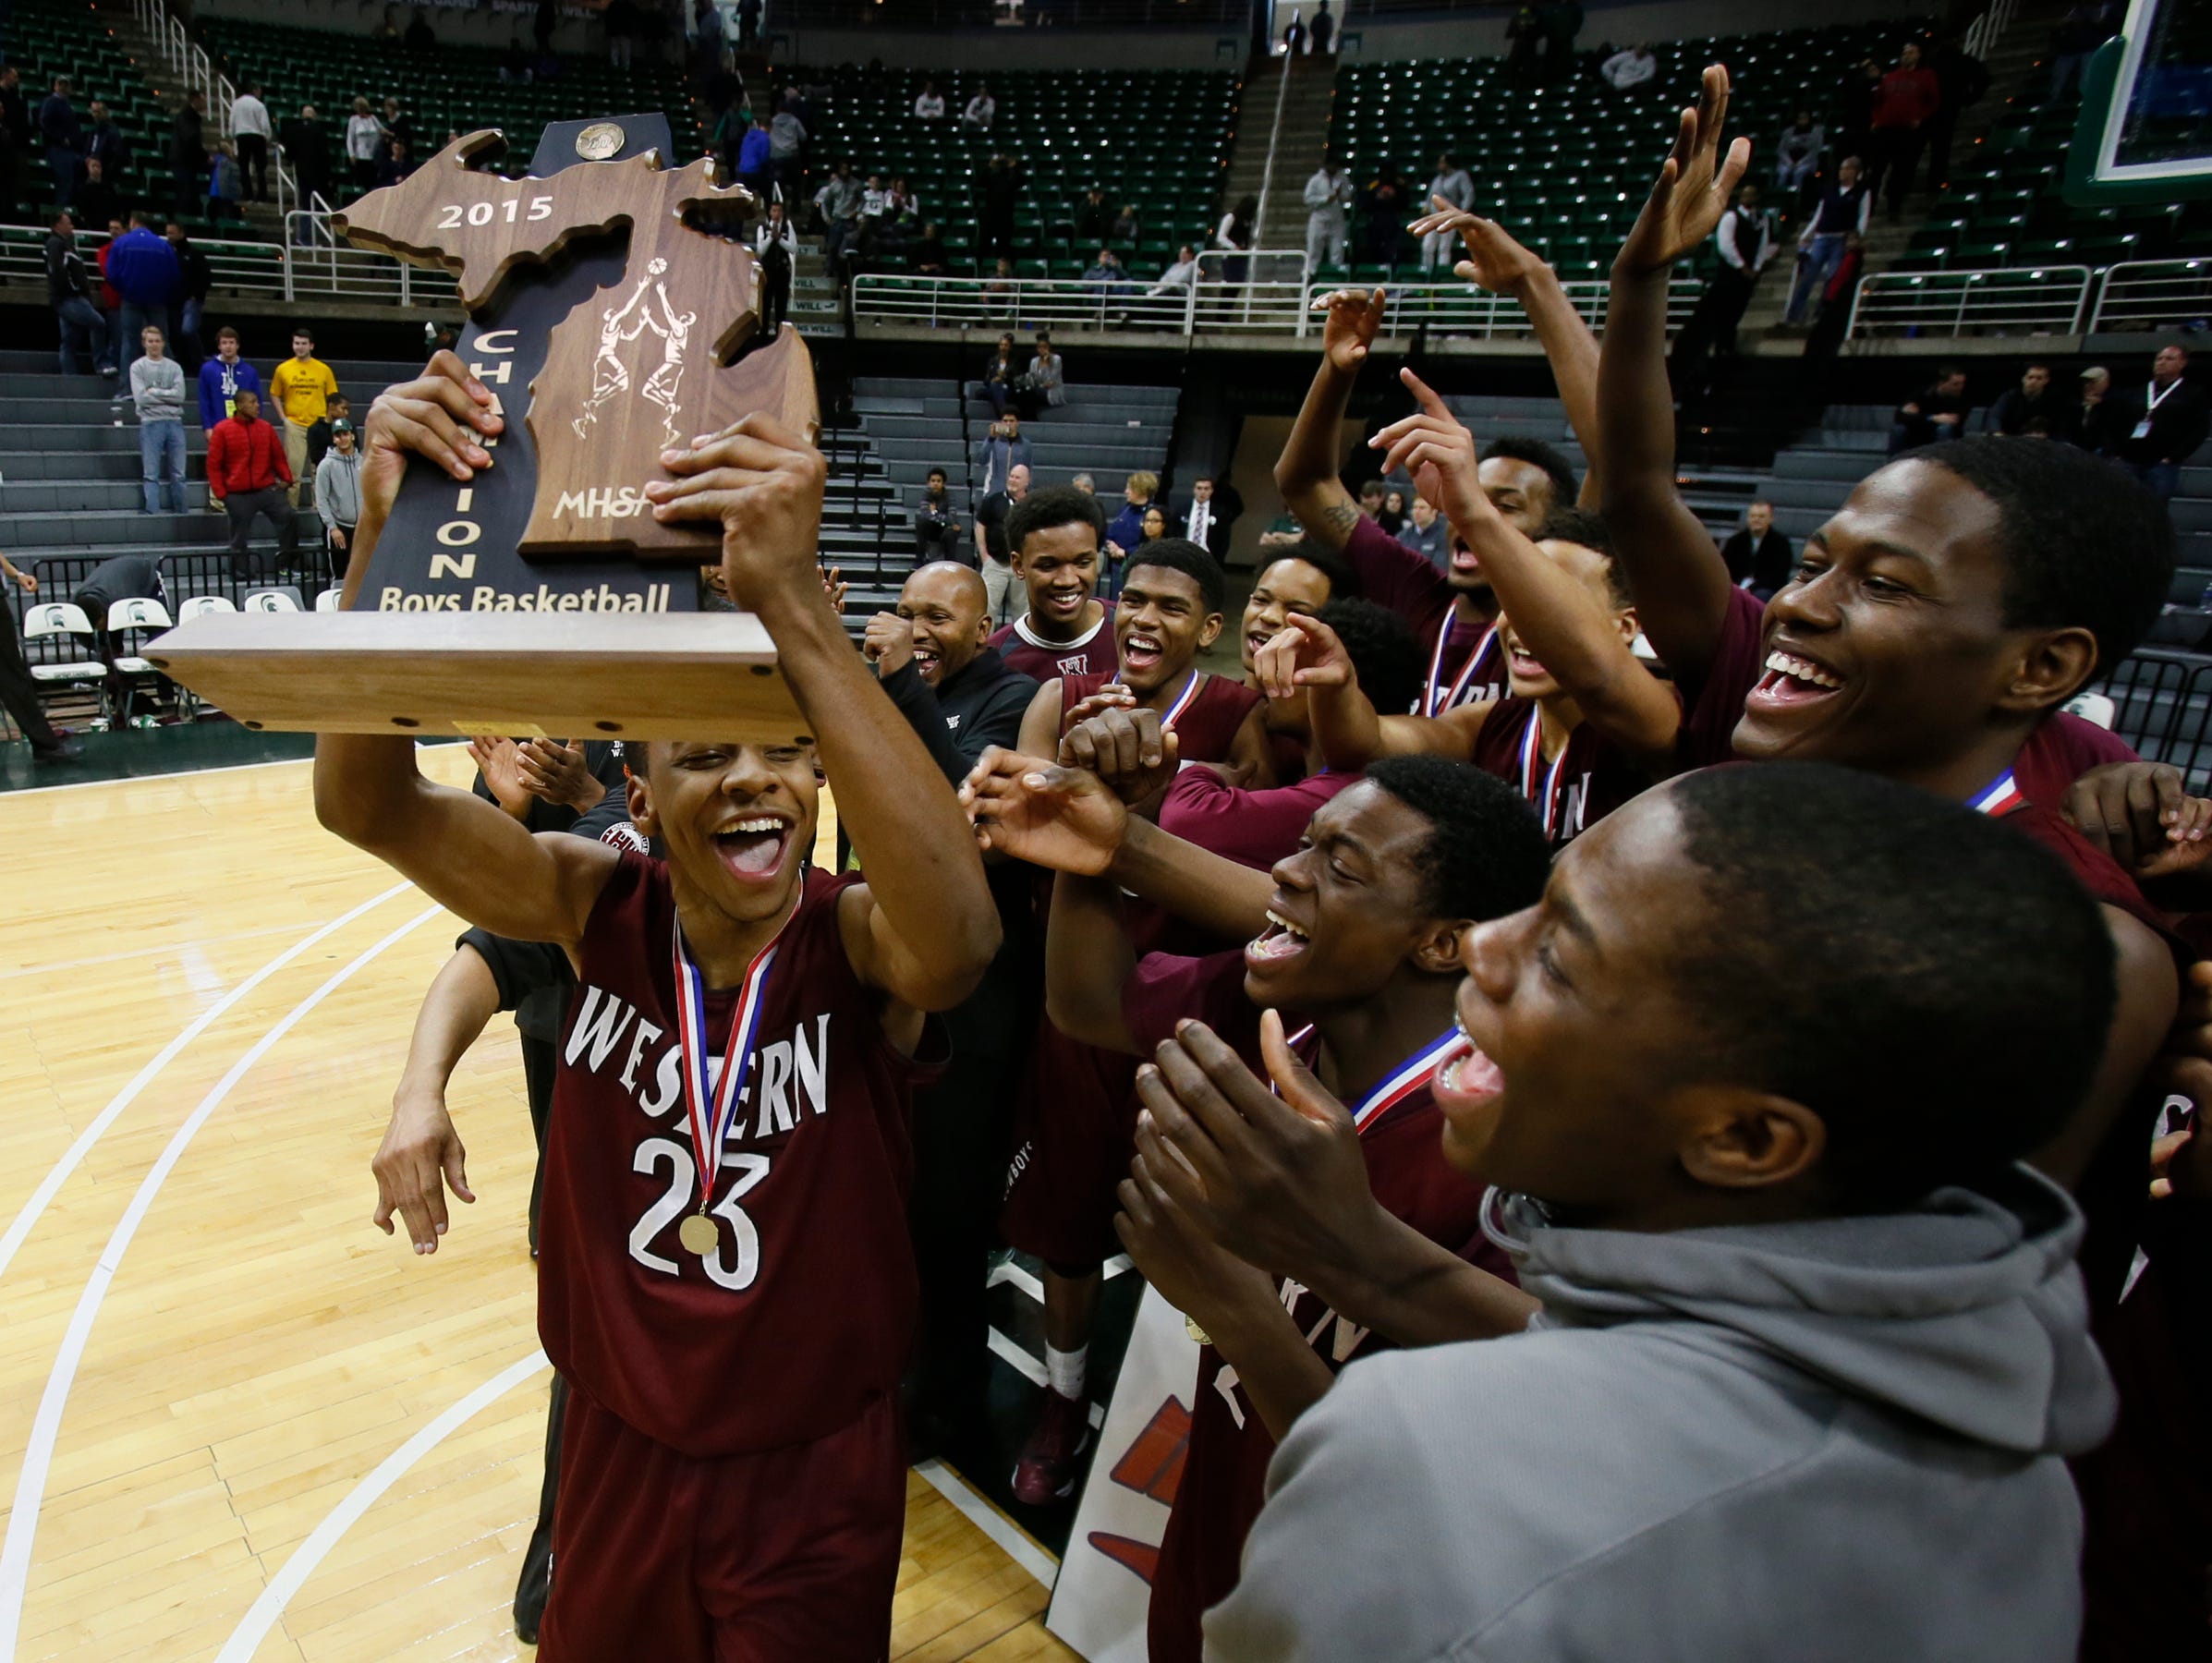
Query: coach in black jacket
{"x": 962, "y": 698}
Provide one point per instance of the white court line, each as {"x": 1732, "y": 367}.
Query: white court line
{"x": 54, "y": 966}
{"x": 1010, "y": 1540}
{"x": 45, "y": 1428}
{"x": 179, "y": 773}
{"x": 74, "y": 1156}
{"x": 255, "y": 1625}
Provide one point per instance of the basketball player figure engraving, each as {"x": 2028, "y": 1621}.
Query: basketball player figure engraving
{"x": 726, "y": 1276}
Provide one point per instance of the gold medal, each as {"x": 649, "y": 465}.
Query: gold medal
{"x": 698, "y": 1234}
{"x": 599, "y": 140}
{"x": 1191, "y": 1327}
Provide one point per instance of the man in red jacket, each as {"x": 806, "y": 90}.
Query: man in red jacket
{"x": 247, "y": 473}
{"x": 1904, "y": 104}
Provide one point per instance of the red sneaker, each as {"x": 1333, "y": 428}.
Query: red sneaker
{"x": 1046, "y": 1472}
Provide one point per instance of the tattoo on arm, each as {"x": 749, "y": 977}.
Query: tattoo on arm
{"x": 1340, "y": 518}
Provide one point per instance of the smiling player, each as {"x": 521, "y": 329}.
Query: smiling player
{"x": 726, "y": 1279}
{"x": 1055, "y": 535}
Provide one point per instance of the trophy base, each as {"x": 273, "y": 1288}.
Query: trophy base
{"x": 668, "y": 675}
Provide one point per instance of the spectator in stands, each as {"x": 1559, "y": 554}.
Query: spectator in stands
{"x": 514, "y": 64}
{"x": 2154, "y": 430}
{"x": 301, "y": 387}
{"x": 111, "y": 305}
{"x": 107, "y": 144}
{"x": 144, "y": 271}
{"x": 318, "y": 435}
{"x": 775, "y": 244}
{"x": 1383, "y": 211}
{"x": 1179, "y": 276}
{"x": 935, "y": 522}
{"x": 1452, "y": 184}
{"x": 755, "y": 168}
{"x": 982, "y": 110}
{"x": 1324, "y": 30}
{"x": 222, "y": 378}
{"x": 929, "y": 103}
{"x": 999, "y": 375}
{"x": 998, "y": 188}
{"x": 1008, "y": 598}
{"x": 224, "y": 186}
{"x": 338, "y": 495}
{"x": 1234, "y": 234}
{"x": 1106, "y": 275}
{"x": 1758, "y": 556}
{"x": 1629, "y": 68}
{"x": 2034, "y": 399}
{"x": 70, "y": 293}
{"x": 1370, "y": 500}
{"x": 1428, "y": 533}
{"x": 749, "y": 24}
{"x": 1126, "y": 529}
{"x": 398, "y": 124}
{"x": 1797, "y": 153}
{"x": 787, "y": 148}
{"x": 1961, "y": 81}
{"x": 1936, "y": 413}
{"x": 1000, "y": 451}
{"x": 157, "y": 393}
{"x": 1093, "y": 219}
{"x": 837, "y": 204}
{"x": 364, "y": 144}
{"x": 396, "y": 165}
{"x": 1907, "y": 100}
{"x": 1153, "y": 526}
{"x": 1085, "y": 484}
{"x": 1524, "y": 44}
{"x": 1043, "y": 385}
{"x": 1128, "y": 229}
{"x": 1561, "y": 21}
{"x": 1284, "y": 532}
{"x": 925, "y": 254}
{"x": 18, "y": 691}
{"x": 96, "y": 201}
{"x": 1745, "y": 242}
{"x": 2080, "y": 31}
{"x": 1212, "y": 512}
{"x": 246, "y": 474}
{"x": 1294, "y": 35}
{"x": 1392, "y": 515}
{"x": 250, "y": 131}
{"x": 998, "y": 293}
{"x": 1845, "y": 209}
{"x": 2091, "y": 417}
{"x": 194, "y": 279}
{"x": 1328, "y": 203}
{"x": 307, "y": 147}
{"x": 419, "y": 37}
{"x": 63, "y": 136}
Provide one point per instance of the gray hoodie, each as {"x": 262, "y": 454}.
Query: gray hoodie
{"x": 1830, "y": 1441}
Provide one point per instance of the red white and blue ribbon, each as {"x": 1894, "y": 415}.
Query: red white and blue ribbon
{"x": 710, "y": 1112}
{"x": 1998, "y": 798}
{"x": 1435, "y": 699}
{"x": 1401, "y": 1082}
{"x": 1190, "y": 691}
{"x": 1545, "y": 796}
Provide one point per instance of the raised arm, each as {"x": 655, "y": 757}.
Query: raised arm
{"x": 1088, "y": 958}
{"x": 1305, "y": 656}
{"x": 922, "y": 927}
{"x": 1497, "y": 262}
{"x": 1680, "y": 581}
{"x": 1308, "y": 473}
{"x": 1555, "y": 616}
{"x": 464, "y": 852}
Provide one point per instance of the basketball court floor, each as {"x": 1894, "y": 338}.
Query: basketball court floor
{"x": 236, "y": 1421}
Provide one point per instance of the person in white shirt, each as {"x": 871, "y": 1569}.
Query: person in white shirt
{"x": 775, "y": 243}
{"x": 981, "y": 110}
{"x": 1453, "y": 184}
{"x": 1745, "y": 243}
{"x": 929, "y": 103}
{"x": 249, "y": 127}
{"x": 364, "y": 144}
{"x": 1179, "y": 276}
{"x": 1328, "y": 195}
{"x": 1630, "y": 67}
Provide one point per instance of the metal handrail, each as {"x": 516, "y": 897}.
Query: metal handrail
{"x": 2147, "y": 291}
{"x": 190, "y": 60}
{"x": 2052, "y": 298}
{"x": 1266, "y": 172}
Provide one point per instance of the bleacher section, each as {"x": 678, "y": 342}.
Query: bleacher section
{"x": 46, "y": 38}
{"x": 1566, "y": 168}
{"x": 1159, "y": 139}
{"x": 454, "y": 88}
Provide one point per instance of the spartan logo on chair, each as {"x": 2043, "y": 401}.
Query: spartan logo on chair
{"x": 602, "y": 409}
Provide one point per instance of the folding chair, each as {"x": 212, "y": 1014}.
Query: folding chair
{"x": 283, "y": 599}
{"x": 130, "y": 621}
{"x": 199, "y": 606}
{"x": 327, "y": 601}
{"x": 59, "y": 647}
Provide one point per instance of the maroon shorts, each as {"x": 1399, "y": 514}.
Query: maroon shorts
{"x": 1074, "y": 1134}
{"x": 787, "y": 1556}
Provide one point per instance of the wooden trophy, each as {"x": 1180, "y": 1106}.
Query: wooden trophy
{"x": 542, "y": 598}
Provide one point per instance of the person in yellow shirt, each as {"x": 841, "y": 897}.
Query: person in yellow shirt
{"x": 303, "y": 387}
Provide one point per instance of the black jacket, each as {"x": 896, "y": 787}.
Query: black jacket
{"x": 2014, "y": 410}
{"x": 1766, "y": 563}
{"x": 64, "y": 271}
{"x": 2176, "y": 426}
{"x": 980, "y": 707}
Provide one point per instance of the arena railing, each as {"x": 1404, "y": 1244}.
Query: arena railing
{"x": 2154, "y": 292}
{"x": 2162, "y": 706}
{"x": 2018, "y": 299}
{"x": 1208, "y": 307}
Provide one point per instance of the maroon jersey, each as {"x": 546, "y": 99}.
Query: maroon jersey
{"x": 1585, "y": 783}
{"x": 1225, "y": 1463}
{"x": 2058, "y": 752}
{"x": 1206, "y": 726}
{"x": 800, "y": 1319}
{"x": 1253, "y": 828}
{"x": 1407, "y": 582}
{"x": 1092, "y": 653}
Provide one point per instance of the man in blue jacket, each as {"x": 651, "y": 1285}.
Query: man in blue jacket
{"x": 142, "y": 268}
{"x": 223, "y": 378}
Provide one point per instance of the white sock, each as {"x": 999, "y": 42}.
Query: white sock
{"x": 1065, "y": 1369}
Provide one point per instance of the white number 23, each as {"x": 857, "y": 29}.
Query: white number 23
{"x": 745, "y": 1172}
